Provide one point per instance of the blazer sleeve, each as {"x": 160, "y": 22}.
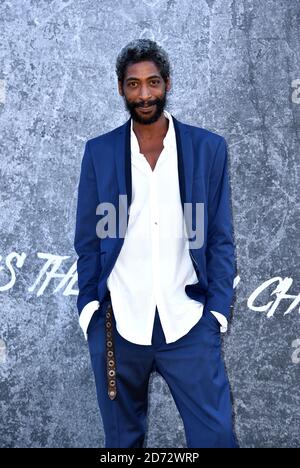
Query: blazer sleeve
{"x": 220, "y": 250}
{"x": 86, "y": 241}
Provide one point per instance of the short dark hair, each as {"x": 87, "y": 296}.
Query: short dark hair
{"x": 140, "y": 50}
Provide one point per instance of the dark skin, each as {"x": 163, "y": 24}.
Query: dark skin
{"x": 142, "y": 85}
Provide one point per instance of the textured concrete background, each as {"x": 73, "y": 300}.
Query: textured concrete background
{"x": 236, "y": 72}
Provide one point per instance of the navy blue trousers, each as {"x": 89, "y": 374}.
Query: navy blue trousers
{"x": 194, "y": 371}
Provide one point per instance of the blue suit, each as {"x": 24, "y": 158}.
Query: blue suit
{"x": 203, "y": 177}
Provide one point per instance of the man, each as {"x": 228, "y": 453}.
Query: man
{"x": 149, "y": 298}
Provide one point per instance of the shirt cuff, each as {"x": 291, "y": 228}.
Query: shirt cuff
{"x": 222, "y": 320}
{"x": 86, "y": 315}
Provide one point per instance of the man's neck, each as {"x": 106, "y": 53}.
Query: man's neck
{"x": 151, "y": 131}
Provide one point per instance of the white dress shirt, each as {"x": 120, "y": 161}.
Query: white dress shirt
{"x": 154, "y": 264}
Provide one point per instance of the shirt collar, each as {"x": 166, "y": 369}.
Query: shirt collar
{"x": 169, "y": 140}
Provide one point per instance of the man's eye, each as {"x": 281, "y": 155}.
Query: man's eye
{"x": 131, "y": 84}
{"x": 155, "y": 81}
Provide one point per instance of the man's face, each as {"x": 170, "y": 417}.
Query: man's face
{"x": 144, "y": 92}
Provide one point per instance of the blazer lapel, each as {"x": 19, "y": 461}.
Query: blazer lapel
{"x": 123, "y": 163}
{"x": 185, "y": 158}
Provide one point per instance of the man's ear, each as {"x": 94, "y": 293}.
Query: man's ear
{"x": 168, "y": 84}
{"x": 120, "y": 88}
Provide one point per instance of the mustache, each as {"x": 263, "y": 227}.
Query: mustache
{"x": 142, "y": 104}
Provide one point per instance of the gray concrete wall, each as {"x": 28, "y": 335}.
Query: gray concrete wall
{"x": 236, "y": 72}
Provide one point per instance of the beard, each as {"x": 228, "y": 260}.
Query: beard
{"x": 153, "y": 116}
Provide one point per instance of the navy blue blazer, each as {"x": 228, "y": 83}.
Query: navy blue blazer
{"x": 203, "y": 178}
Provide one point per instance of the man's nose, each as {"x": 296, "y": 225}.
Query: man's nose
{"x": 145, "y": 93}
